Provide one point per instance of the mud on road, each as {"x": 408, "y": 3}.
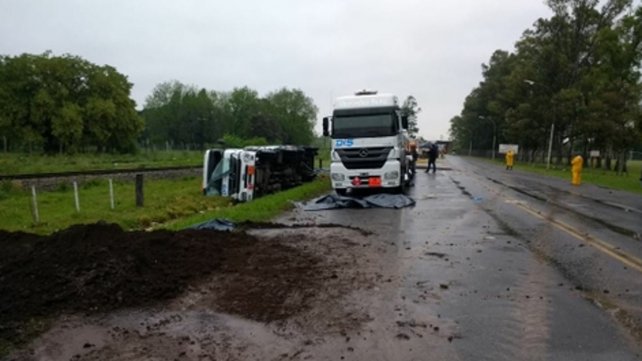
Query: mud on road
{"x": 96, "y": 292}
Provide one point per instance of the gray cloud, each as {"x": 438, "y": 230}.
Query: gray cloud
{"x": 430, "y": 49}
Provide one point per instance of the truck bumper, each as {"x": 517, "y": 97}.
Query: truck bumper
{"x": 389, "y": 176}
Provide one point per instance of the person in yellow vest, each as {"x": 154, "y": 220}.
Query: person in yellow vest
{"x": 576, "y": 169}
{"x": 510, "y": 158}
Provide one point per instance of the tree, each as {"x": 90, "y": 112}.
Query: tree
{"x": 410, "y": 109}
{"x": 576, "y": 73}
{"x": 48, "y": 103}
{"x": 183, "y": 115}
{"x": 295, "y": 113}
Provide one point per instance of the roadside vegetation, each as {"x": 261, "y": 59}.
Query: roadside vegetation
{"x": 23, "y": 163}
{"x": 572, "y": 83}
{"x": 67, "y": 105}
{"x": 176, "y": 202}
{"x": 629, "y": 182}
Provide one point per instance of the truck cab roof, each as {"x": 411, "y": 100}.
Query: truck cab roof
{"x": 366, "y": 101}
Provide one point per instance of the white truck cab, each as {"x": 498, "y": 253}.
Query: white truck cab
{"x": 229, "y": 173}
{"x": 369, "y": 143}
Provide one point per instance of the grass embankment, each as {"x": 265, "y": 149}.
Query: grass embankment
{"x": 19, "y": 163}
{"x": 629, "y": 182}
{"x": 172, "y": 203}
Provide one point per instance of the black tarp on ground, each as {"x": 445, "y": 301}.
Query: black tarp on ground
{"x": 214, "y": 224}
{"x": 383, "y": 200}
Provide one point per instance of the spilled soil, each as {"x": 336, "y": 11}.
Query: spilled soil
{"x": 93, "y": 269}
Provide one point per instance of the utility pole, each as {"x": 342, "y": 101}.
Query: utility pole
{"x": 550, "y": 140}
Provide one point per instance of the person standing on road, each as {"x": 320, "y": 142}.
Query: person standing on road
{"x": 510, "y": 158}
{"x": 576, "y": 169}
{"x": 433, "y": 152}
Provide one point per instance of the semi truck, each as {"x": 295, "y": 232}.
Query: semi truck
{"x": 369, "y": 143}
{"x": 251, "y": 172}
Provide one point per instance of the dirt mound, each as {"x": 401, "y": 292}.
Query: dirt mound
{"x": 100, "y": 267}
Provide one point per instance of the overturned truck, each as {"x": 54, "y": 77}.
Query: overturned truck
{"x": 251, "y": 172}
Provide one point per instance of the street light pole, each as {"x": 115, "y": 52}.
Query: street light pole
{"x": 550, "y": 140}
{"x": 494, "y": 132}
{"x": 550, "y": 146}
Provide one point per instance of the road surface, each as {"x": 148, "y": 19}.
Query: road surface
{"x": 488, "y": 265}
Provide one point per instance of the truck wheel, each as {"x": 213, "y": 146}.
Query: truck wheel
{"x": 402, "y": 189}
{"x": 341, "y": 191}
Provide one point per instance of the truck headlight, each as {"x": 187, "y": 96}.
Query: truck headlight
{"x": 338, "y": 177}
{"x": 391, "y": 175}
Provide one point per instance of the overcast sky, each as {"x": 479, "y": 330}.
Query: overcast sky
{"x": 430, "y": 49}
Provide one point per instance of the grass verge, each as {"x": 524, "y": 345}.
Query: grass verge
{"x": 176, "y": 203}
{"x": 261, "y": 209}
{"x": 629, "y": 182}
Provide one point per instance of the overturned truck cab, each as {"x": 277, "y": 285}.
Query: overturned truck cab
{"x": 251, "y": 172}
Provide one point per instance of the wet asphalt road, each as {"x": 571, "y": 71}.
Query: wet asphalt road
{"x": 505, "y": 266}
{"x": 488, "y": 265}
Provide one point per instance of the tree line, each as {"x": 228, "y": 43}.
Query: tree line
{"x": 573, "y": 78}
{"x": 184, "y": 115}
{"x": 65, "y": 104}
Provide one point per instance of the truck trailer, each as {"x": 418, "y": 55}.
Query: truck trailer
{"x": 251, "y": 172}
{"x": 370, "y": 143}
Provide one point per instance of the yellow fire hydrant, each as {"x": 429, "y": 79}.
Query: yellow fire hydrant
{"x": 576, "y": 170}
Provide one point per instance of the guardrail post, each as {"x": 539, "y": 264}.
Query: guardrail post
{"x": 139, "y": 190}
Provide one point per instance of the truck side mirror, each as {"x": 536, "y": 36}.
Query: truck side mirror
{"x": 404, "y": 121}
{"x": 326, "y": 126}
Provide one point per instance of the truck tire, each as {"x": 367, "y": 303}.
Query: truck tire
{"x": 402, "y": 189}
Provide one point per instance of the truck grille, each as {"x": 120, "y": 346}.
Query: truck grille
{"x": 364, "y": 158}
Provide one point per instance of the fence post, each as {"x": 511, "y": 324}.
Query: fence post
{"x": 139, "y": 190}
{"x": 111, "y": 194}
{"x": 76, "y": 199}
{"x": 34, "y": 205}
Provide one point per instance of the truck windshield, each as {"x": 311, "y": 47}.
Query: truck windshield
{"x": 216, "y": 180}
{"x": 364, "y": 125}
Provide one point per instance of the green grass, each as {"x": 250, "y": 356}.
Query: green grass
{"x": 176, "y": 202}
{"x": 20, "y": 163}
{"x": 627, "y": 182}
{"x": 261, "y": 209}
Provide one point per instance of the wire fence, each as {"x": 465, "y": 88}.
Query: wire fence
{"x": 635, "y": 155}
